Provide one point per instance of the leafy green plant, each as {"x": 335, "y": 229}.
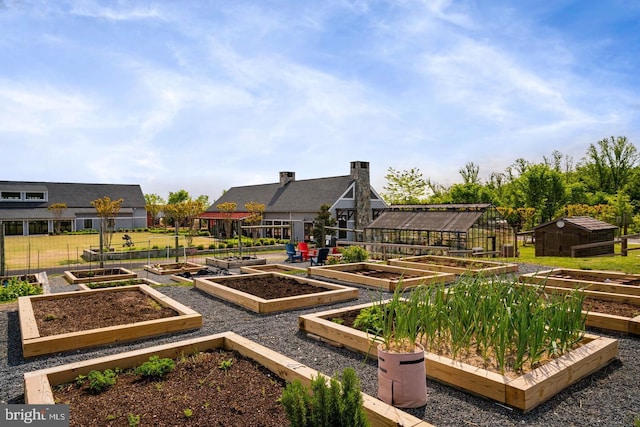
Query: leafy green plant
{"x": 326, "y": 403}
{"x": 188, "y": 412}
{"x": 99, "y": 381}
{"x": 133, "y": 419}
{"x": 13, "y": 288}
{"x": 225, "y": 365}
{"x": 155, "y": 367}
{"x": 354, "y": 253}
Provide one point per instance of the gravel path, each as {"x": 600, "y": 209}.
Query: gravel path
{"x": 610, "y": 397}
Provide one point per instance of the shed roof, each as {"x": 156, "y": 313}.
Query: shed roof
{"x": 584, "y": 222}
{"x": 452, "y": 221}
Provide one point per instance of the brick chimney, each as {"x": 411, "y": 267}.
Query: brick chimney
{"x": 362, "y": 194}
{"x": 287, "y": 177}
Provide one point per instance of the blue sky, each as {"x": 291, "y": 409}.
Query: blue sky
{"x": 207, "y": 95}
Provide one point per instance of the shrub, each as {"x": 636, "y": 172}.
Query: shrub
{"x": 354, "y": 254}
{"x": 329, "y": 405}
{"x": 200, "y": 247}
{"x": 212, "y": 246}
{"x": 155, "y": 367}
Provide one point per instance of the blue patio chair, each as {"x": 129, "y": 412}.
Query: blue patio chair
{"x": 294, "y": 256}
{"x": 321, "y": 258}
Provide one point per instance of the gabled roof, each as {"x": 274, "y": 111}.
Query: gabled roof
{"x": 74, "y": 195}
{"x": 294, "y": 196}
{"x": 584, "y": 222}
{"x": 426, "y": 220}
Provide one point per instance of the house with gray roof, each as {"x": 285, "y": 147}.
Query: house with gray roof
{"x": 24, "y": 206}
{"x": 292, "y": 205}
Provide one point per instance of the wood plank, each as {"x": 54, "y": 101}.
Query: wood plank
{"x": 34, "y": 345}
{"x": 530, "y": 390}
{"x": 38, "y": 383}
{"x": 28, "y": 324}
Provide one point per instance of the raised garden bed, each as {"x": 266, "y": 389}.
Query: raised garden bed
{"x": 235, "y": 262}
{"x": 173, "y": 268}
{"x": 524, "y": 392}
{"x": 39, "y": 385}
{"x": 380, "y": 276}
{"x": 276, "y": 268}
{"x": 73, "y": 320}
{"x": 39, "y": 279}
{"x": 98, "y": 275}
{"x": 454, "y": 265}
{"x": 271, "y": 292}
{"x": 607, "y": 310}
{"x": 206, "y": 273}
{"x": 116, "y": 283}
{"x": 592, "y": 280}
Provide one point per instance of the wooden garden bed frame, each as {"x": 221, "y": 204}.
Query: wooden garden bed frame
{"x": 118, "y": 283}
{"x": 344, "y": 273}
{"x": 438, "y": 263}
{"x": 35, "y": 345}
{"x": 38, "y": 384}
{"x": 278, "y": 268}
{"x": 609, "y": 322}
{"x": 77, "y": 276}
{"x": 234, "y": 263}
{"x": 607, "y": 284}
{"x": 174, "y": 268}
{"x": 328, "y": 293}
{"x": 524, "y": 392}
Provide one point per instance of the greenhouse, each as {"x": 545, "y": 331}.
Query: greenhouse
{"x": 461, "y": 228}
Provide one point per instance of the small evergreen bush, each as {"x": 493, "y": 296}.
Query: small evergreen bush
{"x": 336, "y": 404}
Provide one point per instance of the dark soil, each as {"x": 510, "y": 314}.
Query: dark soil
{"x": 381, "y": 274}
{"x": 99, "y": 273}
{"x": 95, "y": 310}
{"x": 199, "y": 392}
{"x": 610, "y": 307}
{"x": 271, "y": 287}
{"x": 585, "y": 276}
{"x": 454, "y": 263}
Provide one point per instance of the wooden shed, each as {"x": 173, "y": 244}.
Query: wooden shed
{"x": 557, "y": 237}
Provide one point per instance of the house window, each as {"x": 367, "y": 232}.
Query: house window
{"x": 31, "y": 195}
{"x": 88, "y": 224}
{"x": 13, "y": 228}
{"x": 10, "y": 195}
{"x": 38, "y": 227}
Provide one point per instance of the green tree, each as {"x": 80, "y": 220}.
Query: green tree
{"x": 256, "y": 213}
{"x": 608, "y": 164}
{"x": 154, "y": 204}
{"x": 320, "y": 224}
{"x": 178, "y": 196}
{"x": 404, "y": 187}
{"x": 107, "y": 210}
{"x": 57, "y": 209}
{"x": 538, "y": 187}
{"x": 227, "y": 209}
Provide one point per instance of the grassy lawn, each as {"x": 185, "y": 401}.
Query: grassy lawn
{"x": 39, "y": 252}
{"x": 628, "y": 264}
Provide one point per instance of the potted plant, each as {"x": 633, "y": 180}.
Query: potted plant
{"x": 401, "y": 364}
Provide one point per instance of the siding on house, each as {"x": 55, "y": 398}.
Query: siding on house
{"x": 29, "y": 212}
